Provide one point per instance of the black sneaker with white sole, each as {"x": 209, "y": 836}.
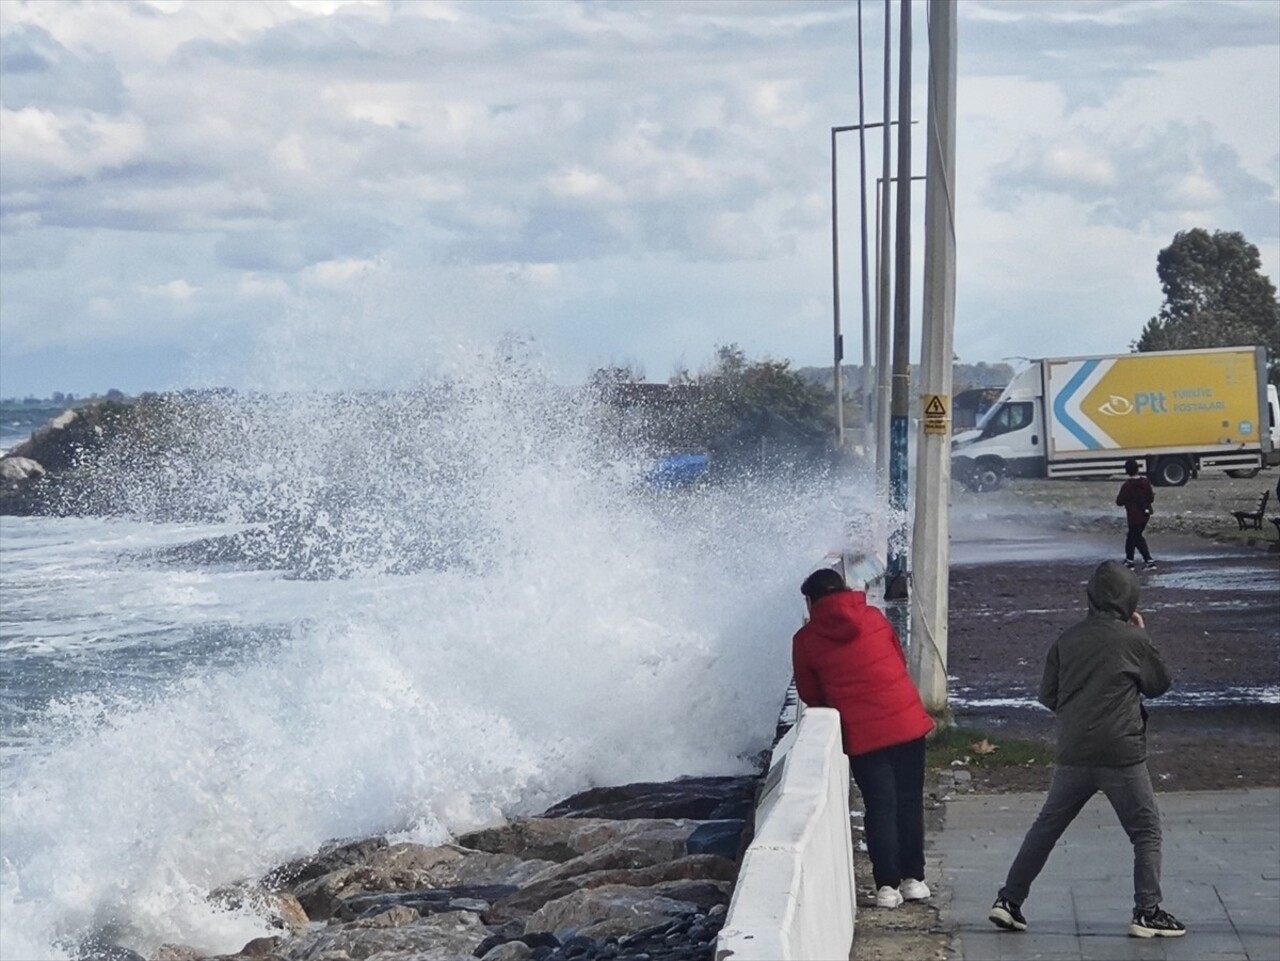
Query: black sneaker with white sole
{"x": 1156, "y": 923}
{"x": 1005, "y": 914}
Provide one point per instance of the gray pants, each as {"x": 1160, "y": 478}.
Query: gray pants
{"x": 1129, "y": 791}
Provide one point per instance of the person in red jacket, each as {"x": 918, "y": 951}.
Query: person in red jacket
{"x": 1136, "y": 497}
{"x": 848, "y": 657}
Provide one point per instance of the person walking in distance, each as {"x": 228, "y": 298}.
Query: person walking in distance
{"x": 848, "y": 657}
{"x": 1095, "y": 677}
{"x": 1136, "y": 497}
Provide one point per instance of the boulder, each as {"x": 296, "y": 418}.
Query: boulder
{"x": 722, "y": 838}
{"x": 698, "y": 798}
{"x": 393, "y": 916}
{"x": 653, "y": 842}
{"x": 633, "y": 909}
{"x": 400, "y": 867}
{"x": 533, "y": 896}
{"x": 561, "y": 839}
{"x": 280, "y": 908}
{"x": 330, "y": 857}
{"x": 19, "y": 469}
{"x": 508, "y": 951}
{"x": 425, "y": 900}
{"x": 177, "y": 952}
{"x": 441, "y": 937}
{"x": 702, "y": 894}
{"x": 261, "y": 948}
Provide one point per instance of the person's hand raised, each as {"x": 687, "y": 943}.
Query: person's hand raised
{"x": 1136, "y": 620}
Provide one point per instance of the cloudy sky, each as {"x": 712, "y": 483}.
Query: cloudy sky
{"x": 260, "y": 193}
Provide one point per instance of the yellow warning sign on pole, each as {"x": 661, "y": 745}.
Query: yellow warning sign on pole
{"x": 936, "y": 418}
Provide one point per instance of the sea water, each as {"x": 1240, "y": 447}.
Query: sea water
{"x": 467, "y": 607}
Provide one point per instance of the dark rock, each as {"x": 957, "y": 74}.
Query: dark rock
{"x": 610, "y": 909}
{"x": 261, "y": 947}
{"x": 535, "y": 894}
{"x": 400, "y": 867}
{"x": 330, "y": 858}
{"x": 441, "y": 937}
{"x": 702, "y": 894}
{"x": 477, "y": 897}
{"x": 576, "y": 947}
{"x": 717, "y": 837}
{"x": 178, "y": 952}
{"x": 387, "y": 916}
{"x": 98, "y": 948}
{"x": 540, "y": 939}
{"x": 561, "y": 839}
{"x": 508, "y": 951}
{"x": 697, "y": 798}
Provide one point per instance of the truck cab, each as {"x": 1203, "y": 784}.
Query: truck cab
{"x": 1008, "y": 440}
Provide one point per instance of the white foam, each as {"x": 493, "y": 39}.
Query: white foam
{"x": 582, "y": 633}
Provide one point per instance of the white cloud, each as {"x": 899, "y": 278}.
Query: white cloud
{"x": 641, "y": 180}
{"x": 43, "y": 145}
{"x": 339, "y": 274}
{"x": 178, "y": 291}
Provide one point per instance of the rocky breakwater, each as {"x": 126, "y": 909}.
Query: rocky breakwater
{"x": 641, "y": 872}
{"x": 50, "y": 473}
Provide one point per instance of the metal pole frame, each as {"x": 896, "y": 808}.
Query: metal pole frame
{"x": 838, "y": 336}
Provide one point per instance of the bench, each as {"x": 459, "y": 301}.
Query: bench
{"x": 1253, "y": 518}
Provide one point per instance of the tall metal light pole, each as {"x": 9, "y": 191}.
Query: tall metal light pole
{"x": 866, "y": 286}
{"x": 882, "y": 284}
{"x": 896, "y": 574}
{"x": 835, "y": 283}
{"x": 930, "y": 541}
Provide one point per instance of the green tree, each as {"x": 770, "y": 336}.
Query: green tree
{"x": 1215, "y": 295}
{"x": 736, "y": 386}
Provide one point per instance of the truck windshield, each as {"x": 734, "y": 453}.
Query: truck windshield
{"x": 1006, "y": 417}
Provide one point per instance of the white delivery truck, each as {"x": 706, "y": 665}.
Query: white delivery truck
{"x": 1178, "y": 412}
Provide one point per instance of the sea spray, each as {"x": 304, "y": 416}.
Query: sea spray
{"x": 478, "y": 608}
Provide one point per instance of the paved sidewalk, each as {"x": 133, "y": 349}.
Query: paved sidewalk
{"x": 1221, "y": 878}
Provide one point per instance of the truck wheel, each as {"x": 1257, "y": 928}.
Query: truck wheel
{"x": 1172, "y": 472}
{"x": 988, "y": 475}
{"x": 1244, "y": 474}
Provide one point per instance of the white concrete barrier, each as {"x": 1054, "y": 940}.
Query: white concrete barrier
{"x": 795, "y": 899}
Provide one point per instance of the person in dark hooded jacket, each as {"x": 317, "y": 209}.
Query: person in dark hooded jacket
{"x": 1136, "y": 497}
{"x": 848, "y": 657}
{"x": 1095, "y": 677}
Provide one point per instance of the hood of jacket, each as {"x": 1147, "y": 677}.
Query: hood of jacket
{"x": 1113, "y": 591}
{"x": 836, "y": 617}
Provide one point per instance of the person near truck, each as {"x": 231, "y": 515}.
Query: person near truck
{"x": 848, "y": 657}
{"x": 1095, "y": 677}
{"x": 1136, "y": 497}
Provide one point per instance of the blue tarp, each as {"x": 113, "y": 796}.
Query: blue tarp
{"x": 677, "y": 470}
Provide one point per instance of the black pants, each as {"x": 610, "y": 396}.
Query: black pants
{"x": 1135, "y": 540}
{"x": 892, "y": 784}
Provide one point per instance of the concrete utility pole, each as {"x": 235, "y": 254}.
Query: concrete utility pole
{"x": 895, "y": 587}
{"x": 882, "y": 282}
{"x": 930, "y": 542}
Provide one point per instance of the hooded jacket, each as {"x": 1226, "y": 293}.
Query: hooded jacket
{"x": 1097, "y": 673}
{"x": 848, "y": 657}
{"x": 1136, "y": 497}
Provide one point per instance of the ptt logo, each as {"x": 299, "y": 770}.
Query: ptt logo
{"x": 1151, "y": 402}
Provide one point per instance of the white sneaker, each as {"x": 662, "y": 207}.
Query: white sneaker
{"x": 888, "y": 897}
{"x": 913, "y": 890}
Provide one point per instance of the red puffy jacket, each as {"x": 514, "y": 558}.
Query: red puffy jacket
{"x": 849, "y": 658}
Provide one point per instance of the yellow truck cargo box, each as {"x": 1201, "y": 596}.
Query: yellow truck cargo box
{"x": 1152, "y": 402}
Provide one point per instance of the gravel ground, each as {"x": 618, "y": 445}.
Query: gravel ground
{"x": 1021, "y": 557}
